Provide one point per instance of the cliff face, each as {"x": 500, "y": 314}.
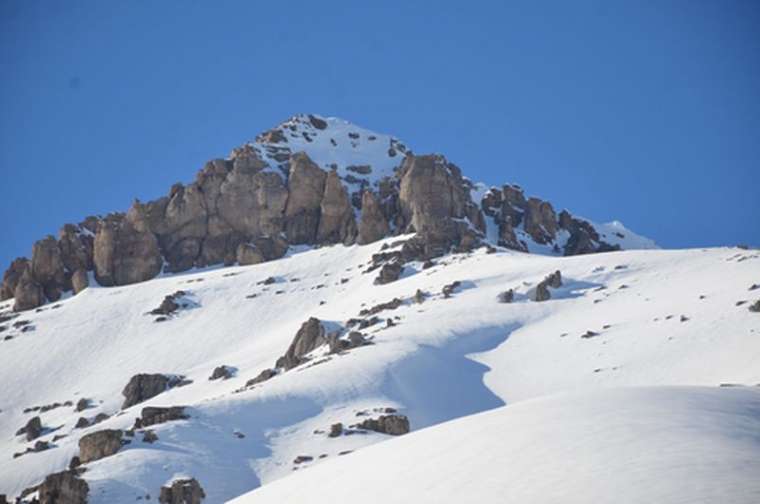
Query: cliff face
{"x": 311, "y": 181}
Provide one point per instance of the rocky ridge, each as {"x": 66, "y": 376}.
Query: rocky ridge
{"x": 309, "y": 181}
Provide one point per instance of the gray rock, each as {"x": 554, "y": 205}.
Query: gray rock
{"x": 507, "y": 296}
{"x": 63, "y": 488}
{"x": 47, "y": 267}
{"x": 142, "y": 387}
{"x": 389, "y": 272}
{"x": 336, "y": 222}
{"x": 152, "y": 415}
{"x": 221, "y": 372}
{"x": 310, "y": 336}
{"x": 183, "y": 491}
{"x": 372, "y": 223}
{"x": 28, "y": 293}
{"x": 32, "y": 430}
{"x": 100, "y": 444}
{"x": 79, "y": 281}
{"x": 262, "y": 377}
{"x": 395, "y": 425}
{"x": 306, "y": 184}
{"x": 12, "y": 276}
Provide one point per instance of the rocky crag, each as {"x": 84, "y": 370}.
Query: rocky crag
{"x": 310, "y": 181}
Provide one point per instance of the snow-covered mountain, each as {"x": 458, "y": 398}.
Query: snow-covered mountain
{"x": 494, "y": 372}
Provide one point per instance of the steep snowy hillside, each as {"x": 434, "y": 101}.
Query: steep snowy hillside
{"x": 627, "y": 445}
{"x": 450, "y": 337}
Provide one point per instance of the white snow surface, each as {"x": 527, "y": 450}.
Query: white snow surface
{"x": 623, "y": 445}
{"x": 663, "y": 318}
{"x": 340, "y": 145}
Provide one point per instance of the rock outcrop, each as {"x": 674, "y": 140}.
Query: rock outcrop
{"x": 142, "y": 387}
{"x": 100, "y": 444}
{"x": 63, "y": 488}
{"x": 182, "y": 491}
{"x": 306, "y": 188}
{"x": 152, "y": 415}
{"x": 336, "y": 222}
{"x": 250, "y": 207}
{"x": 310, "y": 336}
{"x": 395, "y": 425}
{"x": 372, "y": 225}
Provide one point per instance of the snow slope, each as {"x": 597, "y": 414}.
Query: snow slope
{"x": 623, "y": 445}
{"x": 444, "y": 358}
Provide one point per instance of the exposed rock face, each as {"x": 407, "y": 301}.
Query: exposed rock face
{"x": 28, "y": 293}
{"x": 310, "y": 336}
{"x": 250, "y": 207}
{"x": 221, "y": 373}
{"x": 79, "y": 281}
{"x": 390, "y": 272}
{"x": 372, "y": 224}
{"x": 307, "y": 186}
{"x": 152, "y": 415}
{"x": 47, "y": 267}
{"x": 142, "y": 387}
{"x": 184, "y": 491}
{"x": 12, "y": 276}
{"x": 63, "y": 488}
{"x": 100, "y": 444}
{"x": 125, "y": 250}
{"x": 395, "y": 425}
{"x": 542, "y": 288}
{"x": 336, "y": 223}
{"x": 434, "y": 200}
{"x": 32, "y": 430}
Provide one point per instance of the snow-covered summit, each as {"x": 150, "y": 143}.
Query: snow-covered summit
{"x": 361, "y": 157}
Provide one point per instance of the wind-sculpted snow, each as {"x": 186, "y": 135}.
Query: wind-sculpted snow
{"x": 625, "y": 445}
{"x": 655, "y": 318}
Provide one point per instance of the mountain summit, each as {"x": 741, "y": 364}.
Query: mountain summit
{"x": 309, "y": 181}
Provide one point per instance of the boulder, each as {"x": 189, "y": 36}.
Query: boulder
{"x": 310, "y": 336}
{"x": 12, "y": 276}
{"x": 221, "y": 372}
{"x": 142, "y": 387}
{"x": 182, "y": 491}
{"x": 32, "y": 429}
{"x": 389, "y": 272}
{"x": 261, "y": 377}
{"x": 434, "y": 202}
{"x": 306, "y": 186}
{"x": 63, "y": 488}
{"x": 152, "y": 415}
{"x": 336, "y": 222}
{"x": 395, "y": 425}
{"x": 248, "y": 254}
{"x": 100, "y": 444}
{"x": 507, "y": 296}
{"x": 125, "y": 250}
{"x": 79, "y": 281}
{"x": 75, "y": 247}
{"x": 372, "y": 223}
{"x": 28, "y": 293}
{"x": 47, "y": 267}
{"x": 540, "y": 221}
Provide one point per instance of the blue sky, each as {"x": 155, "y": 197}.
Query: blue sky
{"x": 646, "y": 112}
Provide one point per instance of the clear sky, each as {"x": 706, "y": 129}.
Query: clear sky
{"x": 647, "y": 112}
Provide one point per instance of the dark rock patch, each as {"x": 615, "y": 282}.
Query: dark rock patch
{"x": 262, "y": 377}
{"x": 389, "y": 272}
{"x": 100, "y": 444}
{"x": 142, "y": 387}
{"x": 222, "y": 372}
{"x": 310, "y": 336}
{"x": 183, "y": 491}
{"x": 390, "y": 305}
{"x": 153, "y": 415}
{"x": 755, "y": 307}
{"x": 393, "y": 424}
{"x": 507, "y": 296}
{"x": 449, "y": 289}
{"x": 32, "y": 430}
